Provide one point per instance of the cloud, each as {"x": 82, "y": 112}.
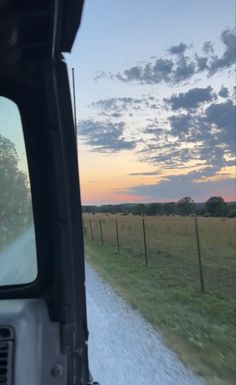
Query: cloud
{"x": 178, "y": 49}
{"x": 208, "y": 47}
{"x": 115, "y": 104}
{"x": 177, "y": 67}
{"x": 104, "y": 136}
{"x": 185, "y": 69}
{"x": 174, "y": 187}
{"x": 182, "y": 124}
{"x": 224, "y": 92}
{"x": 202, "y": 63}
{"x": 228, "y": 38}
{"x": 159, "y": 71}
{"x": 191, "y": 99}
{"x": 215, "y": 125}
{"x": 223, "y": 115}
{"x": 116, "y": 107}
{"x": 151, "y": 129}
{"x": 116, "y": 115}
{"x": 148, "y": 173}
{"x": 171, "y": 71}
{"x": 102, "y": 74}
{"x": 205, "y": 137}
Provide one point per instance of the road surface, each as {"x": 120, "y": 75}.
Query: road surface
{"x": 18, "y": 263}
{"x": 123, "y": 348}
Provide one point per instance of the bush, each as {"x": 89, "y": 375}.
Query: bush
{"x": 232, "y": 213}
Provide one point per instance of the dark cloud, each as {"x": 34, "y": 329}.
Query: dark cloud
{"x": 185, "y": 69}
{"x": 115, "y": 104}
{"x": 213, "y": 154}
{"x": 116, "y": 115}
{"x": 152, "y": 129}
{"x": 150, "y": 73}
{"x": 191, "y": 99}
{"x": 204, "y": 136}
{"x": 208, "y": 47}
{"x": 181, "y": 124}
{"x": 133, "y": 73}
{"x": 170, "y": 155}
{"x": 224, "y": 92}
{"x": 180, "y": 68}
{"x": 228, "y": 38}
{"x": 175, "y": 187}
{"x": 201, "y": 63}
{"x": 116, "y": 107}
{"x": 104, "y": 136}
{"x": 149, "y": 173}
{"x": 162, "y": 70}
{"x": 216, "y": 124}
{"x": 178, "y": 49}
{"x": 223, "y": 115}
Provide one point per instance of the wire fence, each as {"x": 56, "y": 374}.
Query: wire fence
{"x": 199, "y": 251}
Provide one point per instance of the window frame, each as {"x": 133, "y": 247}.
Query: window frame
{"x": 30, "y": 193}
{"x": 27, "y": 99}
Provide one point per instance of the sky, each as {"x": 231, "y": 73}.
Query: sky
{"x": 155, "y": 100}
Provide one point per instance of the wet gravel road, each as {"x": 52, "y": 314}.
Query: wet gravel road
{"x": 123, "y": 348}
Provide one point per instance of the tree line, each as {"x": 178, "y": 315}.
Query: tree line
{"x": 215, "y": 206}
{"x": 15, "y": 199}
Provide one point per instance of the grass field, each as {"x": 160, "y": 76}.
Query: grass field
{"x": 199, "y": 327}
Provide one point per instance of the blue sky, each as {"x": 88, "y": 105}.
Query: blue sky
{"x": 115, "y": 35}
{"x": 155, "y": 100}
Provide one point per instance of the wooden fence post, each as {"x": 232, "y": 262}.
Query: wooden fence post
{"x": 91, "y": 230}
{"x": 117, "y": 237}
{"x": 101, "y": 232}
{"x": 199, "y": 256}
{"x": 85, "y": 230}
{"x": 145, "y": 242}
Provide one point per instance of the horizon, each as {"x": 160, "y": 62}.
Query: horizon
{"x": 145, "y": 203}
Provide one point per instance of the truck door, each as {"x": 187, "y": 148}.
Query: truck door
{"x": 43, "y": 326}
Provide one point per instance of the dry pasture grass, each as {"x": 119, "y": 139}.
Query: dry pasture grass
{"x": 171, "y": 245}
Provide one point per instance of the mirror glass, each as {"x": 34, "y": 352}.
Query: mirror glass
{"x": 18, "y": 261}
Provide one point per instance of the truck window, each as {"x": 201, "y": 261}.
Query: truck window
{"x": 18, "y": 262}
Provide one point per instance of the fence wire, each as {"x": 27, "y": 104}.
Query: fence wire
{"x": 172, "y": 245}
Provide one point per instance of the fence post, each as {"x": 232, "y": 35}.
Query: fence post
{"x": 199, "y": 256}
{"x": 117, "y": 237}
{"x": 101, "y": 232}
{"x": 145, "y": 242}
{"x": 91, "y": 230}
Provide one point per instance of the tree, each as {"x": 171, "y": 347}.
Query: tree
{"x": 154, "y": 209}
{"x": 216, "y": 206}
{"x": 15, "y": 205}
{"x": 169, "y": 208}
{"x": 185, "y": 206}
{"x": 231, "y": 213}
{"x": 139, "y": 209}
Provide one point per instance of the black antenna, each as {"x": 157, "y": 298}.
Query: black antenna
{"x": 74, "y": 100}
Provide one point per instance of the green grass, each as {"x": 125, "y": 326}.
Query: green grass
{"x": 199, "y": 327}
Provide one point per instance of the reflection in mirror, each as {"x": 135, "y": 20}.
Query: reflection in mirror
{"x": 18, "y": 262}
